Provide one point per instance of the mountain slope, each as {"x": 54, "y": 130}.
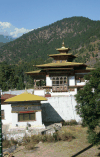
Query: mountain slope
{"x": 81, "y": 34}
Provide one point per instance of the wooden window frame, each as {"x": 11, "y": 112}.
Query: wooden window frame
{"x": 60, "y": 79}
{"x": 23, "y": 117}
{"x": 2, "y": 115}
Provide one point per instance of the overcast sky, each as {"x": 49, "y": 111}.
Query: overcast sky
{"x": 21, "y": 16}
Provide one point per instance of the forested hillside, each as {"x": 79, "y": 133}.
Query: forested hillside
{"x": 80, "y": 34}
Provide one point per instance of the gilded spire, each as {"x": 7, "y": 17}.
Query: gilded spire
{"x": 26, "y": 90}
{"x": 63, "y": 44}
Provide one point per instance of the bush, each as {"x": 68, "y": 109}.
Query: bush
{"x": 71, "y": 122}
{"x": 30, "y": 145}
{"x": 9, "y": 143}
{"x": 65, "y": 134}
{"x": 55, "y": 136}
{"x": 26, "y": 140}
{"x": 36, "y": 138}
{"x": 44, "y": 138}
{"x": 50, "y": 138}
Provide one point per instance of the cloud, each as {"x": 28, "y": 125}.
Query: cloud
{"x": 19, "y": 31}
{"x": 7, "y": 29}
{"x": 5, "y": 25}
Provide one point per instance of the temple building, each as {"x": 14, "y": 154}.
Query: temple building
{"x": 62, "y": 76}
{"x": 25, "y": 108}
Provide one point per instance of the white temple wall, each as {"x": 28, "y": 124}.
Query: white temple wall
{"x": 40, "y": 92}
{"x": 7, "y": 114}
{"x": 71, "y": 80}
{"x": 37, "y": 123}
{"x": 48, "y": 81}
{"x": 61, "y": 108}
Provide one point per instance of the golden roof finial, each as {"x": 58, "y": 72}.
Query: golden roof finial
{"x": 26, "y": 90}
{"x": 63, "y": 44}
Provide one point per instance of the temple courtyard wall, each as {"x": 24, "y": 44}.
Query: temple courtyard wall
{"x": 59, "y": 108}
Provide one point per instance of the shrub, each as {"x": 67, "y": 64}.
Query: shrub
{"x": 9, "y": 143}
{"x": 65, "y": 134}
{"x": 44, "y": 138}
{"x": 36, "y": 138}
{"x": 6, "y": 144}
{"x": 26, "y": 140}
{"x": 71, "y": 122}
{"x": 30, "y": 145}
{"x": 50, "y": 138}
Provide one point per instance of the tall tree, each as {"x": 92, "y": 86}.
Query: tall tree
{"x": 88, "y": 105}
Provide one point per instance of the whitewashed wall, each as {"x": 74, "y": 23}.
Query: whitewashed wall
{"x": 7, "y": 114}
{"x": 39, "y": 92}
{"x": 59, "y": 108}
{"x": 71, "y": 80}
{"x": 48, "y": 81}
{"x": 37, "y": 123}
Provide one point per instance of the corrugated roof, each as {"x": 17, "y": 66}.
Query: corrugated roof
{"x": 25, "y": 97}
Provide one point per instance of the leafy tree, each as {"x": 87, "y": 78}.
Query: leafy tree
{"x": 88, "y": 105}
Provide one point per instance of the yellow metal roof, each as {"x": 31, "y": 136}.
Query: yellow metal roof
{"x": 90, "y": 68}
{"x": 63, "y": 48}
{"x": 38, "y": 71}
{"x": 59, "y": 64}
{"x": 25, "y": 97}
{"x": 62, "y": 54}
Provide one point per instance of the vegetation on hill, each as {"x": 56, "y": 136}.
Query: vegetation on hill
{"x": 81, "y": 34}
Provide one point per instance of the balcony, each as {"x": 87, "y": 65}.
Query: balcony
{"x": 59, "y": 89}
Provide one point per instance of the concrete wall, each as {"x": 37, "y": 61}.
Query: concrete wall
{"x": 60, "y": 108}
{"x": 7, "y": 114}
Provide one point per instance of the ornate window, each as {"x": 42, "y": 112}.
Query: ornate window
{"x": 59, "y": 81}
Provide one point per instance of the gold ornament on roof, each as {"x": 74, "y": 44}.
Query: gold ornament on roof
{"x": 63, "y": 46}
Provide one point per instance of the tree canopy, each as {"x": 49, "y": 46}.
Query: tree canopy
{"x": 88, "y": 105}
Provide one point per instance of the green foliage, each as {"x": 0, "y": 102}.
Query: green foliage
{"x": 88, "y": 105}
{"x": 76, "y": 31}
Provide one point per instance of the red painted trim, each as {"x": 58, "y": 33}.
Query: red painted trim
{"x": 26, "y": 111}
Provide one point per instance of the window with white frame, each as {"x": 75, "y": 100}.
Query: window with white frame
{"x": 59, "y": 81}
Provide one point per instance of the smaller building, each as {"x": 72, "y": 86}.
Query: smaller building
{"x": 6, "y": 109}
{"x": 26, "y": 108}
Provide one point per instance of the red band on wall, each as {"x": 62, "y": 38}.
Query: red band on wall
{"x": 26, "y": 111}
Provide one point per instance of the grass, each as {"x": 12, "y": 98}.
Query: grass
{"x": 65, "y": 146}
{"x": 64, "y": 134}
